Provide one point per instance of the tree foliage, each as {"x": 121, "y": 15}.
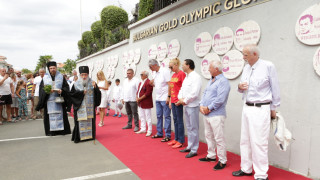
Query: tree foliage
{"x": 87, "y": 37}
{"x": 42, "y": 62}
{"x": 96, "y": 29}
{"x": 69, "y": 66}
{"x": 25, "y": 71}
{"x": 145, "y": 8}
{"x": 112, "y": 17}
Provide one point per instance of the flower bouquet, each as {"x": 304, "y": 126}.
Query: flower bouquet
{"x": 47, "y": 89}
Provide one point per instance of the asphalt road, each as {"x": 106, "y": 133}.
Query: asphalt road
{"x": 26, "y": 153}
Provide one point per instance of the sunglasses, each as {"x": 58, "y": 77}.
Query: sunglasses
{"x": 170, "y": 67}
{"x": 141, "y": 74}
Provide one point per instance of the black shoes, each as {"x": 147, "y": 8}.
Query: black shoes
{"x": 185, "y": 150}
{"x": 127, "y": 127}
{"x": 240, "y": 173}
{"x": 206, "y": 159}
{"x": 136, "y": 129}
{"x": 219, "y": 166}
{"x": 191, "y": 154}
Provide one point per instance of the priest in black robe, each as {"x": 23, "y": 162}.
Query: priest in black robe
{"x": 85, "y": 96}
{"x": 55, "y": 102}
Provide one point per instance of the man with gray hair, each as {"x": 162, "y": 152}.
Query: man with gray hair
{"x": 261, "y": 95}
{"x": 161, "y": 79}
{"x": 71, "y": 79}
{"x": 129, "y": 96}
{"x": 145, "y": 103}
{"x": 213, "y": 108}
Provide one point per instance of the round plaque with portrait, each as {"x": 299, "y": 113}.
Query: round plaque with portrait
{"x": 202, "y": 44}
{"x": 173, "y": 49}
{"x": 308, "y": 26}
{"x": 152, "y": 51}
{"x": 233, "y": 64}
{"x": 222, "y": 40}
{"x": 137, "y": 56}
{"x": 125, "y": 57}
{"x": 162, "y": 51}
{"x": 316, "y": 61}
{"x": 247, "y": 33}
{"x": 206, "y": 62}
{"x": 115, "y": 60}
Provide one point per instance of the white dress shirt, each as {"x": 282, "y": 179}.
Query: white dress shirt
{"x": 130, "y": 89}
{"x": 190, "y": 89}
{"x": 5, "y": 88}
{"x": 161, "y": 79}
{"x": 263, "y": 83}
{"x": 116, "y": 92}
{"x": 37, "y": 82}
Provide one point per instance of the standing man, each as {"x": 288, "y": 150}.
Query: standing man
{"x": 129, "y": 98}
{"x": 161, "y": 80}
{"x": 85, "y": 96}
{"x": 55, "y": 113}
{"x": 145, "y": 103}
{"x": 189, "y": 96}
{"x": 74, "y": 73}
{"x": 35, "y": 91}
{"x": 260, "y": 88}
{"x": 19, "y": 77}
{"x": 6, "y": 94}
{"x": 213, "y": 108}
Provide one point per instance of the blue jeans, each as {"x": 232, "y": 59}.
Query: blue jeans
{"x": 177, "y": 112}
{"x": 163, "y": 110}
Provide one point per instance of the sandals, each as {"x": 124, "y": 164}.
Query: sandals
{"x": 156, "y": 136}
{"x": 166, "y": 139}
{"x": 101, "y": 123}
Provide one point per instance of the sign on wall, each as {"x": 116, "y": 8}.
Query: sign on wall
{"x": 316, "y": 61}
{"x": 206, "y": 62}
{"x": 152, "y": 52}
{"x": 165, "y": 63}
{"x": 308, "y": 26}
{"x": 202, "y": 44}
{"x": 125, "y": 57}
{"x": 247, "y": 33}
{"x": 233, "y": 64}
{"x": 173, "y": 49}
{"x": 130, "y": 56}
{"x": 222, "y": 40}
{"x": 137, "y": 56}
{"x": 162, "y": 51}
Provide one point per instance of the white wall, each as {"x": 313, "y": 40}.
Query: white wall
{"x": 293, "y": 60}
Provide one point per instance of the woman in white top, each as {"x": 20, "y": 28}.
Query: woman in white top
{"x": 103, "y": 86}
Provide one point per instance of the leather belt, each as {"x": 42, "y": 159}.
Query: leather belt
{"x": 257, "y": 104}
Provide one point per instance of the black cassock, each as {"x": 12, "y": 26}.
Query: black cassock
{"x": 76, "y": 99}
{"x": 66, "y": 106}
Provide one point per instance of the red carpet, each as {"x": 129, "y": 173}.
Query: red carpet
{"x": 151, "y": 159}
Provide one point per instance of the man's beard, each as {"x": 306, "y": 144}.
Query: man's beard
{"x": 85, "y": 82}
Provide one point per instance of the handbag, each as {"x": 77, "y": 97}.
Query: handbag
{"x": 59, "y": 99}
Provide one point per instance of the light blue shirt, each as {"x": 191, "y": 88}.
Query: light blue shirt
{"x": 263, "y": 83}
{"x": 215, "y": 96}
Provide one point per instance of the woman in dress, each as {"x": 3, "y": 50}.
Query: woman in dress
{"x": 103, "y": 86}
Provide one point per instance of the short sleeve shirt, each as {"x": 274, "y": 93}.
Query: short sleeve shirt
{"x": 37, "y": 82}
{"x": 175, "y": 85}
{"x": 161, "y": 79}
{"x": 5, "y": 87}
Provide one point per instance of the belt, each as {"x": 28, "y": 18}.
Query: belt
{"x": 257, "y": 104}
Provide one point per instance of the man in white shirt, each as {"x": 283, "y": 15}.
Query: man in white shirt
{"x": 189, "y": 96}
{"x": 6, "y": 93}
{"x": 117, "y": 97}
{"x": 35, "y": 91}
{"x": 71, "y": 79}
{"x": 129, "y": 99}
{"x": 261, "y": 93}
{"x": 161, "y": 78}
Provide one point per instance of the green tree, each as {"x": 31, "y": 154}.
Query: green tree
{"x": 69, "y": 65}
{"x": 145, "y": 8}
{"x": 42, "y": 62}
{"x": 112, "y": 17}
{"x": 25, "y": 71}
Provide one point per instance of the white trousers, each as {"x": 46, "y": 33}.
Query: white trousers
{"x": 255, "y": 129}
{"x": 214, "y": 132}
{"x": 116, "y": 109}
{"x": 145, "y": 118}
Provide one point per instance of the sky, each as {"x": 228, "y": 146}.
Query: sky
{"x": 31, "y": 28}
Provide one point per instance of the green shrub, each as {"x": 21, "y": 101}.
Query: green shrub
{"x": 87, "y": 37}
{"x": 112, "y": 17}
{"x": 145, "y": 8}
{"x": 96, "y": 29}
{"x": 81, "y": 44}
